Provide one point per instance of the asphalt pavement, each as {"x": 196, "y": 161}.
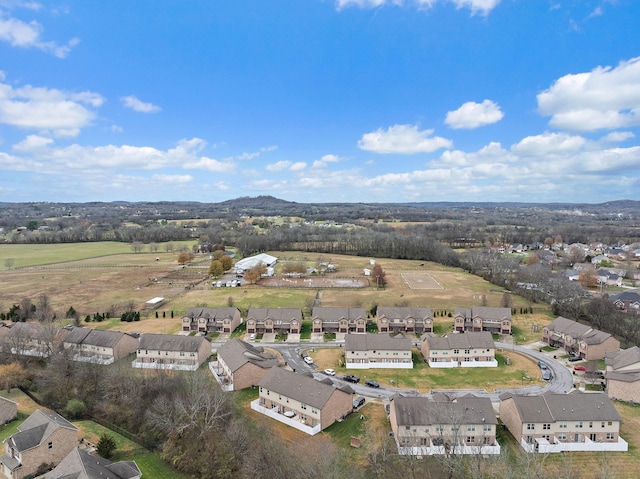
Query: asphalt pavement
{"x": 561, "y": 381}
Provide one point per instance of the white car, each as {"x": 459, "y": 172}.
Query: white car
{"x": 308, "y": 360}
{"x": 252, "y": 337}
{"x": 329, "y": 372}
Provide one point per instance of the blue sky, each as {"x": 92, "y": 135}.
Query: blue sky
{"x": 320, "y": 100}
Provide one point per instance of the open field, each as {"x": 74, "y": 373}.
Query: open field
{"x": 95, "y": 277}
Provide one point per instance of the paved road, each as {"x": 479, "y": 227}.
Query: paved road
{"x": 561, "y": 382}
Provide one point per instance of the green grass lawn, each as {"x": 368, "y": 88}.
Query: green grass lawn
{"x": 7, "y": 430}
{"x": 42, "y": 254}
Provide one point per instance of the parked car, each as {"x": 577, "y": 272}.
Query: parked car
{"x": 579, "y": 368}
{"x": 573, "y": 359}
{"x": 252, "y": 336}
{"x": 542, "y": 365}
{"x": 329, "y": 372}
{"x": 352, "y": 379}
{"x": 371, "y": 383}
{"x": 546, "y": 375}
{"x": 308, "y": 360}
{"x": 357, "y": 402}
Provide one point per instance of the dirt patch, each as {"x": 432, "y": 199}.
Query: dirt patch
{"x": 420, "y": 281}
{"x": 315, "y": 282}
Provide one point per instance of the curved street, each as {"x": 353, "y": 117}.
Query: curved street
{"x": 561, "y": 381}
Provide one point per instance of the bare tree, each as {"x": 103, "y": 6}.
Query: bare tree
{"x": 44, "y": 310}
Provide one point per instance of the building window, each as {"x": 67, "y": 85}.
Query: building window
{"x": 609, "y": 436}
{"x": 562, "y": 424}
{"x": 303, "y": 406}
{"x": 590, "y": 423}
{"x": 530, "y": 426}
{"x": 546, "y": 426}
{"x": 470, "y": 439}
{"x": 487, "y": 427}
{"x": 579, "y": 424}
{"x": 50, "y": 445}
{"x": 562, "y": 436}
{"x": 471, "y": 427}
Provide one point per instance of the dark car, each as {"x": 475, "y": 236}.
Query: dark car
{"x": 357, "y": 402}
{"x": 371, "y": 383}
{"x": 352, "y": 379}
{"x": 542, "y": 365}
{"x": 573, "y": 359}
{"x": 547, "y": 375}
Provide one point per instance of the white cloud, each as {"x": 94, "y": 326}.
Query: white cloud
{"x": 328, "y": 158}
{"x": 32, "y": 143}
{"x": 405, "y": 139}
{"x": 298, "y": 166}
{"x": 278, "y": 166}
{"x": 20, "y": 4}
{"x": 476, "y": 6}
{"x": 618, "y": 136}
{"x": 211, "y": 164}
{"x": 256, "y": 154}
{"x": 137, "y": 105}
{"x": 172, "y": 179}
{"x": 17, "y": 33}
{"x": 63, "y": 113}
{"x": 549, "y": 143}
{"x": 473, "y": 115}
{"x": 605, "y": 98}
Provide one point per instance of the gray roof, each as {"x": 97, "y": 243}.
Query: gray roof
{"x": 336, "y": 314}
{"x": 300, "y": 387}
{"x": 94, "y": 337}
{"x": 568, "y": 327}
{"x": 236, "y": 353}
{"x": 470, "y": 340}
{"x": 623, "y": 358}
{"x": 284, "y": 314}
{"x": 171, "y": 342}
{"x": 79, "y": 464}
{"x": 212, "y": 313}
{"x": 484, "y": 312}
{"x": 36, "y": 428}
{"x": 626, "y": 296}
{"x": 376, "y": 342}
{"x": 624, "y": 376}
{"x": 399, "y": 312}
{"x": 575, "y": 406}
{"x": 421, "y": 410}
{"x": 578, "y": 331}
{"x": 30, "y": 330}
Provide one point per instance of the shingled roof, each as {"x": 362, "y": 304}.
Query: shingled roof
{"x": 171, "y": 342}
{"x": 575, "y": 406}
{"x": 283, "y": 314}
{"x": 470, "y": 340}
{"x": 79, "y": 464}
{"x": 424, "y": 411}
{"x": 211, "y": 313}
{"x": 236, "y": 353}
{"x": 36, "y": 428}
{"x": 376, "y": 342}
{"x": 301, "y": 387}
{"x": 94, "y": 337}
{"x": 336, "y": 314}
{"x": 623, "y": 358}
{"x": 402, "y": 312}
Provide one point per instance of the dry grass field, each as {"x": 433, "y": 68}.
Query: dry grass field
{"x": 95, "y": 284}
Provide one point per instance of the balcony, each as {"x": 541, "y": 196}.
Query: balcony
{"x": 290, "y": 418}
